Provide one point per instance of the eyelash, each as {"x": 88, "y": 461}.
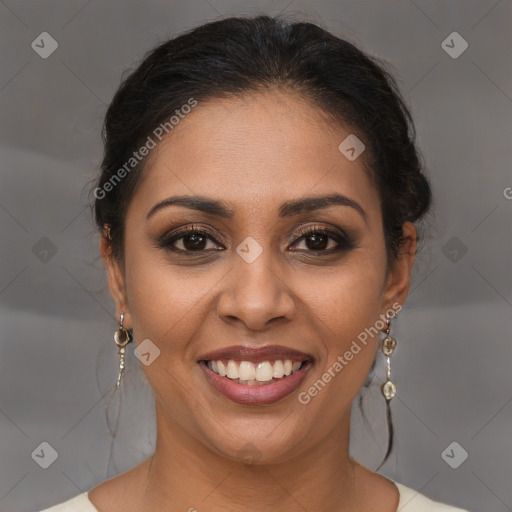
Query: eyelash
{"x": 344, "y": 242}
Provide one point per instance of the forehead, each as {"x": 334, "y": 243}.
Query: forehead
{"x": 254, "y": 152}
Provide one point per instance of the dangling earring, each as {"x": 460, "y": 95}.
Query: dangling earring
{"x": 388, "y": 347}
{"x": 388, "y": 388}
{"x": 122, "y": 337}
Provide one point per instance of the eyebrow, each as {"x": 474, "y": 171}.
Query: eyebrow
{"x": 287, "y": 209}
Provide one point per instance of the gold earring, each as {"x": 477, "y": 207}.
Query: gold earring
{"x": 388, "y": 347}
{"x": 122, "y": 337}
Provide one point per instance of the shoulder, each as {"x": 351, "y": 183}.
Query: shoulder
{"x": 80, "y": 503}
{"x": 410, "y": 501}
{"x": 413, "y": 501}
{"x": 112, "y": 494}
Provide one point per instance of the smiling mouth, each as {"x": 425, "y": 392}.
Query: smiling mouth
{"x": 255, "y": 374}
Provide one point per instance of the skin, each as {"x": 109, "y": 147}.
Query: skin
{"x": 254, "y": 153}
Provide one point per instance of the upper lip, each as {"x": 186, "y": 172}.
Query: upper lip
{"x": 255, "y": 354}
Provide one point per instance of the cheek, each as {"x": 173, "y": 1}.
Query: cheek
{"x": 346, "y": 301}
{"x": 167, "y": 302}
{"x": 165, "y": 306}
{"x": 344, "y": 308}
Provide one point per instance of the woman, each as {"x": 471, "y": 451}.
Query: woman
{"x": 257, "y": 207}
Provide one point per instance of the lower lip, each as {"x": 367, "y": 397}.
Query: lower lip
{"x": 257, "y": 394}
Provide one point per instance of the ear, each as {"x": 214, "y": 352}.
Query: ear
{"x": 115, "y": 275}
{"x": 399, "y": 277}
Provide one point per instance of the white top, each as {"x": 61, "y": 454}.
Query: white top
{"x": 410, "y": 501}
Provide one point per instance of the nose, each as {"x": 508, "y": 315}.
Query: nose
{"x": 256, "y": 294}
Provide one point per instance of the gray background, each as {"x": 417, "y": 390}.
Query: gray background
{"x": 58, "y": 360}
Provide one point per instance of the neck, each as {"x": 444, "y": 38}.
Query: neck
{"x": 184, "y": 474}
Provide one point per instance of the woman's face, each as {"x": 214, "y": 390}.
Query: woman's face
{"x": 255, "y": 279}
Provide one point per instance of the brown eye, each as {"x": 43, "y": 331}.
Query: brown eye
{"x": 317, "y": 241}
{"x": 194, "y": 242}
{"x": 191, "y": 240}
{"x": 321, "y": 240}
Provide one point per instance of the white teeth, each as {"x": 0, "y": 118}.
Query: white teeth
{"x": 222, "y": 368}
{"x": 264, "y": 372}
{"x": 246, "y": 371}
{"x": 252, "y": 374}
{"x": 232, "y": 370}
{"x": 278, "y": 369}
{"x": 249, "y": 382}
